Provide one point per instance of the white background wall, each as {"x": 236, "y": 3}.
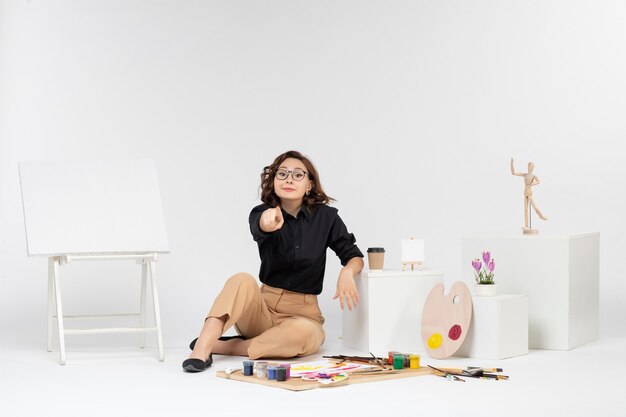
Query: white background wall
{"x": 410, "y": 110}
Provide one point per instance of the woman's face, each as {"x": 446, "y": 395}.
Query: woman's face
{"x": 297, "y": 182}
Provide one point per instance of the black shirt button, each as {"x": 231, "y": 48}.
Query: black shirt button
{"x": 298, "y": 247}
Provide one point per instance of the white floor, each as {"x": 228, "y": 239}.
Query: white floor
{"x": 116, "y": 381}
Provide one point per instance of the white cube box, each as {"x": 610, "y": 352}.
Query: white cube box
{"x": 389, "y": 315}
{"x": 560, "y": 275}
{"x": 499, "y": 328}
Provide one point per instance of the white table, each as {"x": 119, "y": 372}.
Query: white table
{"x": 390, "y": 313}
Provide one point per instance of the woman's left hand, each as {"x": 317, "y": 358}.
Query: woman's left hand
{"x": 346, "y": 289}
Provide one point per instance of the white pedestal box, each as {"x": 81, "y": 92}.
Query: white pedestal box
{"x": 389, "y": 315}
{"x": 560, "y": 275}
{"x": 499, "y": 328}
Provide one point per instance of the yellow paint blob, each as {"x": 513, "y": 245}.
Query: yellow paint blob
{"x": 434, "y": 341}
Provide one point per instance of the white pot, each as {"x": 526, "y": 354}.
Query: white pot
{"x": 485, "y": 290}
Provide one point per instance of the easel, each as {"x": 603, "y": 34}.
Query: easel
{"x": 95, "y": 211}
{"x": 412, "y": 253}
{"x": 148, "y": 267}
{"x": 413, "y": 264}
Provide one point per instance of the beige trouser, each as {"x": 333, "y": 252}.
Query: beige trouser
{"x": 279, "y": 323}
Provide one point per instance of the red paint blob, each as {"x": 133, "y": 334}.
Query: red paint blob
{"x": 455, "y": 332}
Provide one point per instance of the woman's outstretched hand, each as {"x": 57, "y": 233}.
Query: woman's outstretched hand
{"x": 271, "y": 220}
{"x": 346, "y": 289}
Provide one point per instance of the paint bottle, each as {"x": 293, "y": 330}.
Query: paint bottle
{"x": 407, "y": 360}
{"x": 415, "y": 361}
{"x": 271, "y": 372}
{"x": 248, "y": 368}
{"x": 281, "y": 373}
{"x": 398, "y": 361}
{"x": 260, "y": 369}
{"x": 390, "y": 354}
{"x": 287, "y": 366}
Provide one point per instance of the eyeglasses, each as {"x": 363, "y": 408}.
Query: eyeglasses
{"x": 296, "y": 174}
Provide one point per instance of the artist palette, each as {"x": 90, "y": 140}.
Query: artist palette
{"x": 446, "y": 319}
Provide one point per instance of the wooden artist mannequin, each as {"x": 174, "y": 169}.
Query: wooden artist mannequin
{"x": 530, "y": 180}
{"x": 293, "y": 228}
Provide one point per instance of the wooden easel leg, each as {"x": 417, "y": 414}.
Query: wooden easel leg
{"x": 51, "y": 301}
{"x": 142, "y": 304}
{"x": 57, "y": 296}
{"x": 157, "y": 310}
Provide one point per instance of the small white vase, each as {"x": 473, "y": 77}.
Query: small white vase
{"x": 485, "y": 290}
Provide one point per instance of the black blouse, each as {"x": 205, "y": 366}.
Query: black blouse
{"x": 294, "y": 256}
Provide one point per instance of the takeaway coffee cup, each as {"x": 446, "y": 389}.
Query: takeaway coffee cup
{"x": 376, "y": 258}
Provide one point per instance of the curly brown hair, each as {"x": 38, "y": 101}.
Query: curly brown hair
{"x": 316, "y": 195}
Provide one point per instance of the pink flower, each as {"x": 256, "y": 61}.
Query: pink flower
{"x": 477, "y": 264}
{"x": 486, "y": 256}
{"x": 483, "y": 270}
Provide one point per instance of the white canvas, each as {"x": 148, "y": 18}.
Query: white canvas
{"x": 76, "y": 207}
{"x": 412, "y": 250}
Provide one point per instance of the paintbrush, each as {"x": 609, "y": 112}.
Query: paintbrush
{"x": 474, "y": 373}
{"x": 360, "y": 359}
{"x": 372, "y": 371}
{"x": 485, "y": 369}
{"x": 447, "y": 374}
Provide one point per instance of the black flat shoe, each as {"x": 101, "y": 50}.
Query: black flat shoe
{"x": 223, "y": 339}
{"x": 197, "y": 365}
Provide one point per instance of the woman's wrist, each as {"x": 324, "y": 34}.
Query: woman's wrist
{"x": 355, "y": 265}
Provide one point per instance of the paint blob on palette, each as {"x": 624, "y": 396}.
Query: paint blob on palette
{"x": 446, "y": 319}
